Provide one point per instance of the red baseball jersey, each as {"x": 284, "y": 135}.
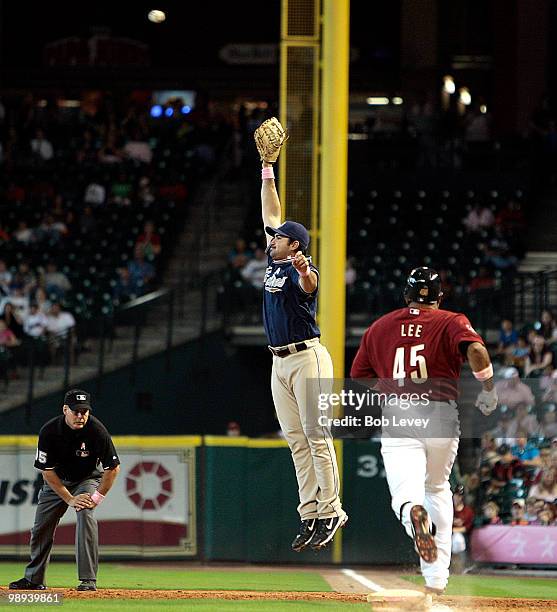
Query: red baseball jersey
{"x": 413, "y": 345}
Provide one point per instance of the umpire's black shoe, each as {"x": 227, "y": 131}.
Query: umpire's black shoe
{"x": 326, "y": 529}
{"x": 87, "y": 585}
{"x": 26, "y": 585}
{"x": 424, "y": 540}
{"x": 307, "y": 531}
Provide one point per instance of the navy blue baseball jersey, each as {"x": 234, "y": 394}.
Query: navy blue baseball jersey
{"x": 288, "y": 311}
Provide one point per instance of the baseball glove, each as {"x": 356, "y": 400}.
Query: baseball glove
{"x": 269, "y": 138}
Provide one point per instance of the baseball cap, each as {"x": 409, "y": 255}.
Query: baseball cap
{"x": 77, "y": 399}
{"x": 510, "y": 373}
{"x": 293, "y": 230}
{"x": 518, "y": 502}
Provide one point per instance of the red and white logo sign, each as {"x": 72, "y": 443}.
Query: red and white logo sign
{"x": 149, "y": 485}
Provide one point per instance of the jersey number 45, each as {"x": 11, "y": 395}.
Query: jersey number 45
{"x": 418, "y": 375}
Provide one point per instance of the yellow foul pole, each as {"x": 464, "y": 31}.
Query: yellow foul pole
{"x": 334, "y": 173}
{"x": 333, "y": 192}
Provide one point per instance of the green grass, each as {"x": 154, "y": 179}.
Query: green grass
{"x": 120, "y": 576}
{"x": 206, "y": 605}
{"x": 498, "y": 586}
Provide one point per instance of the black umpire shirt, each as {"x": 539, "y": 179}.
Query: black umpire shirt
{"x": 74, "y": 454}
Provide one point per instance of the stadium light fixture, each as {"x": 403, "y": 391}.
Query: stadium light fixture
{"x": 449, "y": 84}
{"x": 464, "y": 96}
{"x": 377, "y": 101}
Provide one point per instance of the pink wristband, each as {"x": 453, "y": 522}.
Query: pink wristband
{"x": 267, "y": 172}
{"x": 97, "y": 498}
{"x": 484, "y": 374}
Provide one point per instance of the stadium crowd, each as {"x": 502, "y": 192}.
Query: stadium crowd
{"x": 92, "y": 196}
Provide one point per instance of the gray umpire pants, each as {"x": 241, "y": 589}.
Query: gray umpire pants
{"x": 50, "y": 509}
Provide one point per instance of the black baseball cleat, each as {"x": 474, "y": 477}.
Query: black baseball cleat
{"x": 87, "y": 585}
{"x": 26, "y": 585}
{"x": 423, "y": 535}
{"x": 307, "y": 531}
{"x": 326, "y": 529}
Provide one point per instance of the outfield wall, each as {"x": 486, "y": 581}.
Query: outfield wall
{"x": 211, "y": 498}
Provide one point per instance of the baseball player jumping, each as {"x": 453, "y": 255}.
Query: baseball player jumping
{"x": 421, "y": 343}
{"x": 70, "y": 450}
{"x": 289, "y": 311}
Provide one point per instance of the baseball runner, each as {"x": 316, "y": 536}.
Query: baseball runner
{"x": 70, "y": 450}
{"x": 289, "y": 311}
{"x": 420, "y": 343}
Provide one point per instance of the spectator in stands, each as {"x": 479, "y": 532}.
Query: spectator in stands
{"x": 482, "y": 282}
{"x": 51, "y": 229}
{"x": 526, "y": 452}
{"x": 506, "y": 468}
{"x": 23, "y": 234}
{"x": 149, "y": 242}
{"x": 524, "y": 422}
{"x": 36, "y": 322}
{"x": 126, "y": 288}
{"x": 490, "y": 512}
{"x": 547, "y": 327}
{"x": 24, "y": 279}
{"x": 15, "y": 193}
{"x": 479, "y": 218}
{"x": 548, "y": 427}
{"x": 138, "y": 149}
{"x": 88, "y": 151}
{"x": 518, "y": 514}
{"x": 508, "y": 338}
{"x": 121, "y": 190}
{"x": 505, "y": 431}
{"x": 239, "y": 256}
{"x": 4, "y": 236}
{"x": 538, "y": 359}
{"x": 510, "y": 219}
{"x": 5, "y": 278}
{"x": 60, "y": 325}
{"x": 531, "y": 512}
{"x": 95, "y": 194}
{"x": 512, "y": 391}
{"x": 8, "y": 343}
{"x": 35, "y": 327}
{"x": 141, "y": 272}
{"x": 463, "y": 518}
{"x": 56, "y": 282}
{"x": 41, "y": 147}
{"x": 13, "y": 320}
{"x": 43, "y": 303}
{"x": 350, "y": 273}
{"x": 517, "y": 354}
{"x": 87, "y": 221}
{"x": 254, "y": 271}
{"x": 546, "y": 516}
{"x": 546, "y": 489}
{"x": 498, "y": 252}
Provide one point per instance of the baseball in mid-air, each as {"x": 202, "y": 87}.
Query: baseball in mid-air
{"x": 156, "y": 16}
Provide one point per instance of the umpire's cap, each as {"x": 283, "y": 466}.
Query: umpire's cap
{"x": 293, "y": 230}
{"x": 423, "y": 285}
{"x": 77, "y": 399}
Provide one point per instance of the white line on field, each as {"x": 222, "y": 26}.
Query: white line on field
{"x": 369, "y": 584}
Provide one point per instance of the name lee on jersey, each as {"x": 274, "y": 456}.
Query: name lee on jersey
{"x": 371, "y": 421}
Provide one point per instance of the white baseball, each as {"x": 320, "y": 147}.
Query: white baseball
{"x": 156, "y": 16}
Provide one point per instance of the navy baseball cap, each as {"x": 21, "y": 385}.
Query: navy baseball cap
{"x": 293, "y": 230}
{"x": 77, "y": 399}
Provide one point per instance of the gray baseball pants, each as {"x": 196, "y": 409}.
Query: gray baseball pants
{"x": 50, "y": 509}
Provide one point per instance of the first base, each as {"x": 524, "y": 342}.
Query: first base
{"x": 397, "y": 599}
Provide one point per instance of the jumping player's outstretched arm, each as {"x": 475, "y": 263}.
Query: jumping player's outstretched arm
{"x": 480, "y": 362}
{"x": 270, "y": 203}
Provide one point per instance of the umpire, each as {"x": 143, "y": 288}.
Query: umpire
{"x": 71, "y": 449}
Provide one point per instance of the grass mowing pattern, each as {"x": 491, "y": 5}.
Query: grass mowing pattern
{"x": 498, "y": 586}
{"x": 119, "y": 576}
